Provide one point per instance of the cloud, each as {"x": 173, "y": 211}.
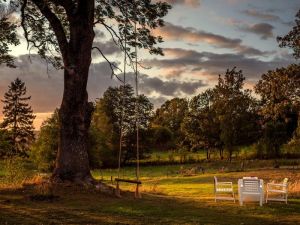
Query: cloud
{"x": 107, "y": 48}
{"x": 170, "y": 87}
{"x": 266, "y": 16}
{"x": 261, "y": 15}
{"x": 264, "y": 30}
{"x": 208, "y": 65}
{"x": 158, "y": 101}
{"x": 47, "y": 89}
{"x": 188, "y": 34}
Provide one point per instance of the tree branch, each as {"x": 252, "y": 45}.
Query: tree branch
{"x": 66, "y": 4}
{"x": 114, "y": 35}
{"x": 56, "y": 26}
{"x": 111, "y": 65}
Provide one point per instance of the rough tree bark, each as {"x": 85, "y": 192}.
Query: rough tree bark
{"x": 72, "y": 161}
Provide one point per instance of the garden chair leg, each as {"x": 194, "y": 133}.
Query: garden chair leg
{"x": 118, "y": 193}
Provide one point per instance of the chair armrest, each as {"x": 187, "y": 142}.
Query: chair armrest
{"x": 226, "y": 183}
{"x": 277, "y": 185}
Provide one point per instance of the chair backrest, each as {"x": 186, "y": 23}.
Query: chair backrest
{"x": 251, "y": 185}
{"x": 250, "y": 177}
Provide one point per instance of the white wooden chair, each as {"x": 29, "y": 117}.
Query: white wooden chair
{"x": 279, "y": 189}
{"x": 222, "y": 188}
{"x": 251, "y": 189}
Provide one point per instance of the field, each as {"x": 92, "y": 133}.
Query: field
{"x": 169, "y": 196}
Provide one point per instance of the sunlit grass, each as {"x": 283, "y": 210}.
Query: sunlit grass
{"x": 167, "y": 180}
{"x": 168, "y": 197}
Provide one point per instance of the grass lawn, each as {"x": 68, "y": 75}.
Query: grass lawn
{"x": 168, "y": 198}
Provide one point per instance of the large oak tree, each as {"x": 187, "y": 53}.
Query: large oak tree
{"x": 63, "y": 32}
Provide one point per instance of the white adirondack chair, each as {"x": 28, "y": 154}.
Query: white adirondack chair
{"x": 279, "y": 189}
{"x": 222, "y": 188}
{"x": 251, "y": 189}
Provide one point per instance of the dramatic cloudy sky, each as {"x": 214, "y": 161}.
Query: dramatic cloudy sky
{"x": 202, "y": 39}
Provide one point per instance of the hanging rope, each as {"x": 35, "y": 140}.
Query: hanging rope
{"x": 137, "y": 116}
{"x": 137, "y": 119}
{"x": 134, "y": 65}
{"x": 124, "y": 93}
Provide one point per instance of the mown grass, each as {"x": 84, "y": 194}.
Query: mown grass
{"x": 168, "y": 197}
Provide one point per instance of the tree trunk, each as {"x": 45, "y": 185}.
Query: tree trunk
{"x": 208, "y": 154}
{"x": 72, "y": 161}
{"x": 221, "y": 151}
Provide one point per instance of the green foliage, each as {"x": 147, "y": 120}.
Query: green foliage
{"x": 170, "y": 115}
{"x": 274, "y": 136}
{"x": 44, "y": 150}
{"x": 236, "y": 110}
{"x": 280, "y": 101}
{"x": 18, "y": 119}
{"x": 222, "y": 117}
{"x": 16, "y": 171}
{"x": 116, "y": 111}
{"x": 48, "y": 25}
{"x": 280, "y": 93}
{"x": 292, "y": 148}
{"x": 201, "y": 125}
{"x": 8, "y": 35}
{"x": 162, "y": 138}
{"x": 102, "y": 137}
{"x": 292, "y": 39}
{"x": 5, "y": 143}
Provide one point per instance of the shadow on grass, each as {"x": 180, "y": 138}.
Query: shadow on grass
{"x": 90, "y": 207}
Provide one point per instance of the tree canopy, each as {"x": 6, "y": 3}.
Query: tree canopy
{"x": 115, "y": 112}
{"x": 292, "y": 39}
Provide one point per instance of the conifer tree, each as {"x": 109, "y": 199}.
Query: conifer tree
{"x": 18, "y": 119}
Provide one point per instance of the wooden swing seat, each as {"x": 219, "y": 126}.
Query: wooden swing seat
{"x": 137, "y": 193}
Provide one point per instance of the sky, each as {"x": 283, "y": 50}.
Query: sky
{"x": 202, "y": 38}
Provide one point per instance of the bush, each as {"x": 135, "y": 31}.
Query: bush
{"x": 44, "y": 150}
{"x": 163, "y": 138}
{"x": 16, "y": 171}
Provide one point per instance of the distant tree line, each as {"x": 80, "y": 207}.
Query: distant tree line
{"x": 227, "y": 116}
{"x": 222, "y": 119}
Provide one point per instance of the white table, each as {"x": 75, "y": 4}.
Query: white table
{"x": 251, "y": 189}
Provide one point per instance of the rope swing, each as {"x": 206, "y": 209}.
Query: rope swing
{"x": 137, "y": 122}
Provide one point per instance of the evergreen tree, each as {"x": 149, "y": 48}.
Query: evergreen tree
{"x": 18, "y": 118}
